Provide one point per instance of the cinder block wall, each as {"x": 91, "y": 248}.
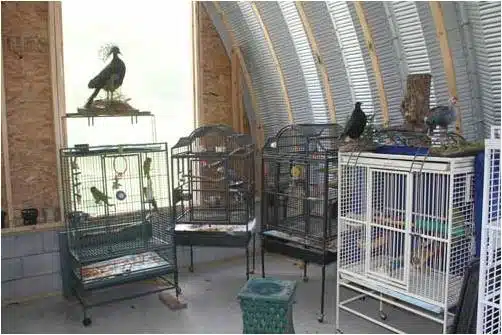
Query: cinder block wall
{"x": 30, "y": 265}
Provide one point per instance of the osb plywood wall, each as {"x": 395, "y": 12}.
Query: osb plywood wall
{"x": 215, "y": 71}
{"x": 30, "y": 118}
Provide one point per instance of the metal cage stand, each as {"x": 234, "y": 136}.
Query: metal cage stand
{"x": 405, "y": 233}
{"x": 113, "y": 241}
{"x": 213, "y": 186}
{"x": 298, "y": 202}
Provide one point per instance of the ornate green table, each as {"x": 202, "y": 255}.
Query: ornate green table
{"x": 267, "y": 306}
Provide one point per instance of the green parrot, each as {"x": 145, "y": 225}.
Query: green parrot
{"x": 100, "y": 196}
{"x": 146, "y": 167}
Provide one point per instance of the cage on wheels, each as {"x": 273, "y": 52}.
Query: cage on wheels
{"x": 119, "y": 227}
{"x": 213, "y": 190}
{"x": 299, "y": 195}
{"x": 406, "y": 233}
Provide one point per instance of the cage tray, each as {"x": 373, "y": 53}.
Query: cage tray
{"x": 222, "y": 235}
{"x": 295, "y": 225}
{"x": 420, "y": 292}
{"x": 121, "y": 266}
{"x": 213, "y": 215}
{"x": 105, "y": 251}
{"x": 286, "y": 247}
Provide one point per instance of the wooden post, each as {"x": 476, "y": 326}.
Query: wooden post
{"x": 276, "y": 61}
{"x": 449, "y": 67}
{"x": 319, "y": 61}
{"x": 55, "y": 26}
{"x": 5, "y": 156}
{"x": 236, "y": 92}
{"x": 415, "y": 104}
{"x": 368, "y": 37}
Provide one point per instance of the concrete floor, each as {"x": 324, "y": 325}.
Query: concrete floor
{"x": 212, "y": 307}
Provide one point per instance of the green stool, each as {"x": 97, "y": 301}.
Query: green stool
{"x": 267, "y": 306}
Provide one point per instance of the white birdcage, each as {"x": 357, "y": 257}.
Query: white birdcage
{"x": 405, "y": 231}
{"x": 489, "y": 307}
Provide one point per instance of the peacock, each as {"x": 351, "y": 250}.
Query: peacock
{"x": 110, "y": 78}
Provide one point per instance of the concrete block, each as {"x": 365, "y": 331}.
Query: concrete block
{"x": 12, "y": 268}
{"x": 38, "y": 265}
{"x": 22, "y": 245}
{"x": 50, "y": 241}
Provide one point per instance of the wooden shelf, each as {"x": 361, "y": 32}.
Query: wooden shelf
{"x": 33, "y": 228}
{"x": 84, "y": 113}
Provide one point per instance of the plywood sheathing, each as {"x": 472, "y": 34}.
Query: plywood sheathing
{"x": 30, "y": 118}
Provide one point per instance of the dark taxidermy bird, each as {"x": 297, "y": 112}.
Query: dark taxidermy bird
{"x": 441, "y": 115}
{"x": 110, "y": 78}
{"x": 356, "y": 124}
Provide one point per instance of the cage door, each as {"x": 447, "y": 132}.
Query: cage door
{"x": 388, "y": 238}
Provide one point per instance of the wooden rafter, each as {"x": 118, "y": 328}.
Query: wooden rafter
{"x": 319, "y": 61}
{"x": 260, "y": 136}
{"x": 275, "y": 59}
{"x": 375, "y": 62}
{"x": 449, "y": 67}
{"x": 236, "y": 92}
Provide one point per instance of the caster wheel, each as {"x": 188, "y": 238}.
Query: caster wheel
{"x": 305, "y": 279}
{"x": 87, "y": 321}
{"x": 178, "y": 291}
{"x": 190, "y": 268}
{"x": 320, "y": 319}
{"x": 383, "y": 316}
{"x": 339, "y": 331}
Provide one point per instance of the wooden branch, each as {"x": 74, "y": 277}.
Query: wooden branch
{"x": 375, "y": 62}
{"x": 449, "y": 67}
{"x": 5, "y": 156}
{"x": 258, "y": 127}
{"x": 270, "y": 45}
{"x": 318, "y": 60}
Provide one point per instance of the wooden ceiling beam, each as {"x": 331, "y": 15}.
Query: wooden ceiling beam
{"x": 318, "y": 60}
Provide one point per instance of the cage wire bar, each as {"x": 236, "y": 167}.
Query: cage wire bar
{"x": 298, "y": 206}
{"x": 405, "y": 233}
{"x": 213, "y": 190}
{"x": 117, "y": 216}
{"x": 489, "y": 305}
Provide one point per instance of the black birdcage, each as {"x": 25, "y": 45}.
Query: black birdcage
{"x": 299, "y": 195}
{"x": 118, "y": 222}
{"x": 213, "y": 189}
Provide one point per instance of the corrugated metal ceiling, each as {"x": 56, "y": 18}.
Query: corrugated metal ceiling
{"x": 405, "y": 40}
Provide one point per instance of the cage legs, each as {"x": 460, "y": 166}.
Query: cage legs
{"x": 190, "y": 268}
{"x": 382, "y": 314}
{"x": 254, "y": 254}
{"x": 323, "y": 289}
{"x": 262, "y": 260}
{"x": 305, "y": 277}
{"x": 247, "y": 262}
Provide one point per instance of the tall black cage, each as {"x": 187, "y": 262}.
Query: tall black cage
{"x": 299, "y": 195}
{"x": 118, "y": 221}
{"x": 213, "y": 189}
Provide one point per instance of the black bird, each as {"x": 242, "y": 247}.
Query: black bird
{"x": 356, "y": 124}
{"x": 110, "y": 78}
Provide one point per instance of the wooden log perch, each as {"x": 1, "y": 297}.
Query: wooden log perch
{"x": 415, "y": 104}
